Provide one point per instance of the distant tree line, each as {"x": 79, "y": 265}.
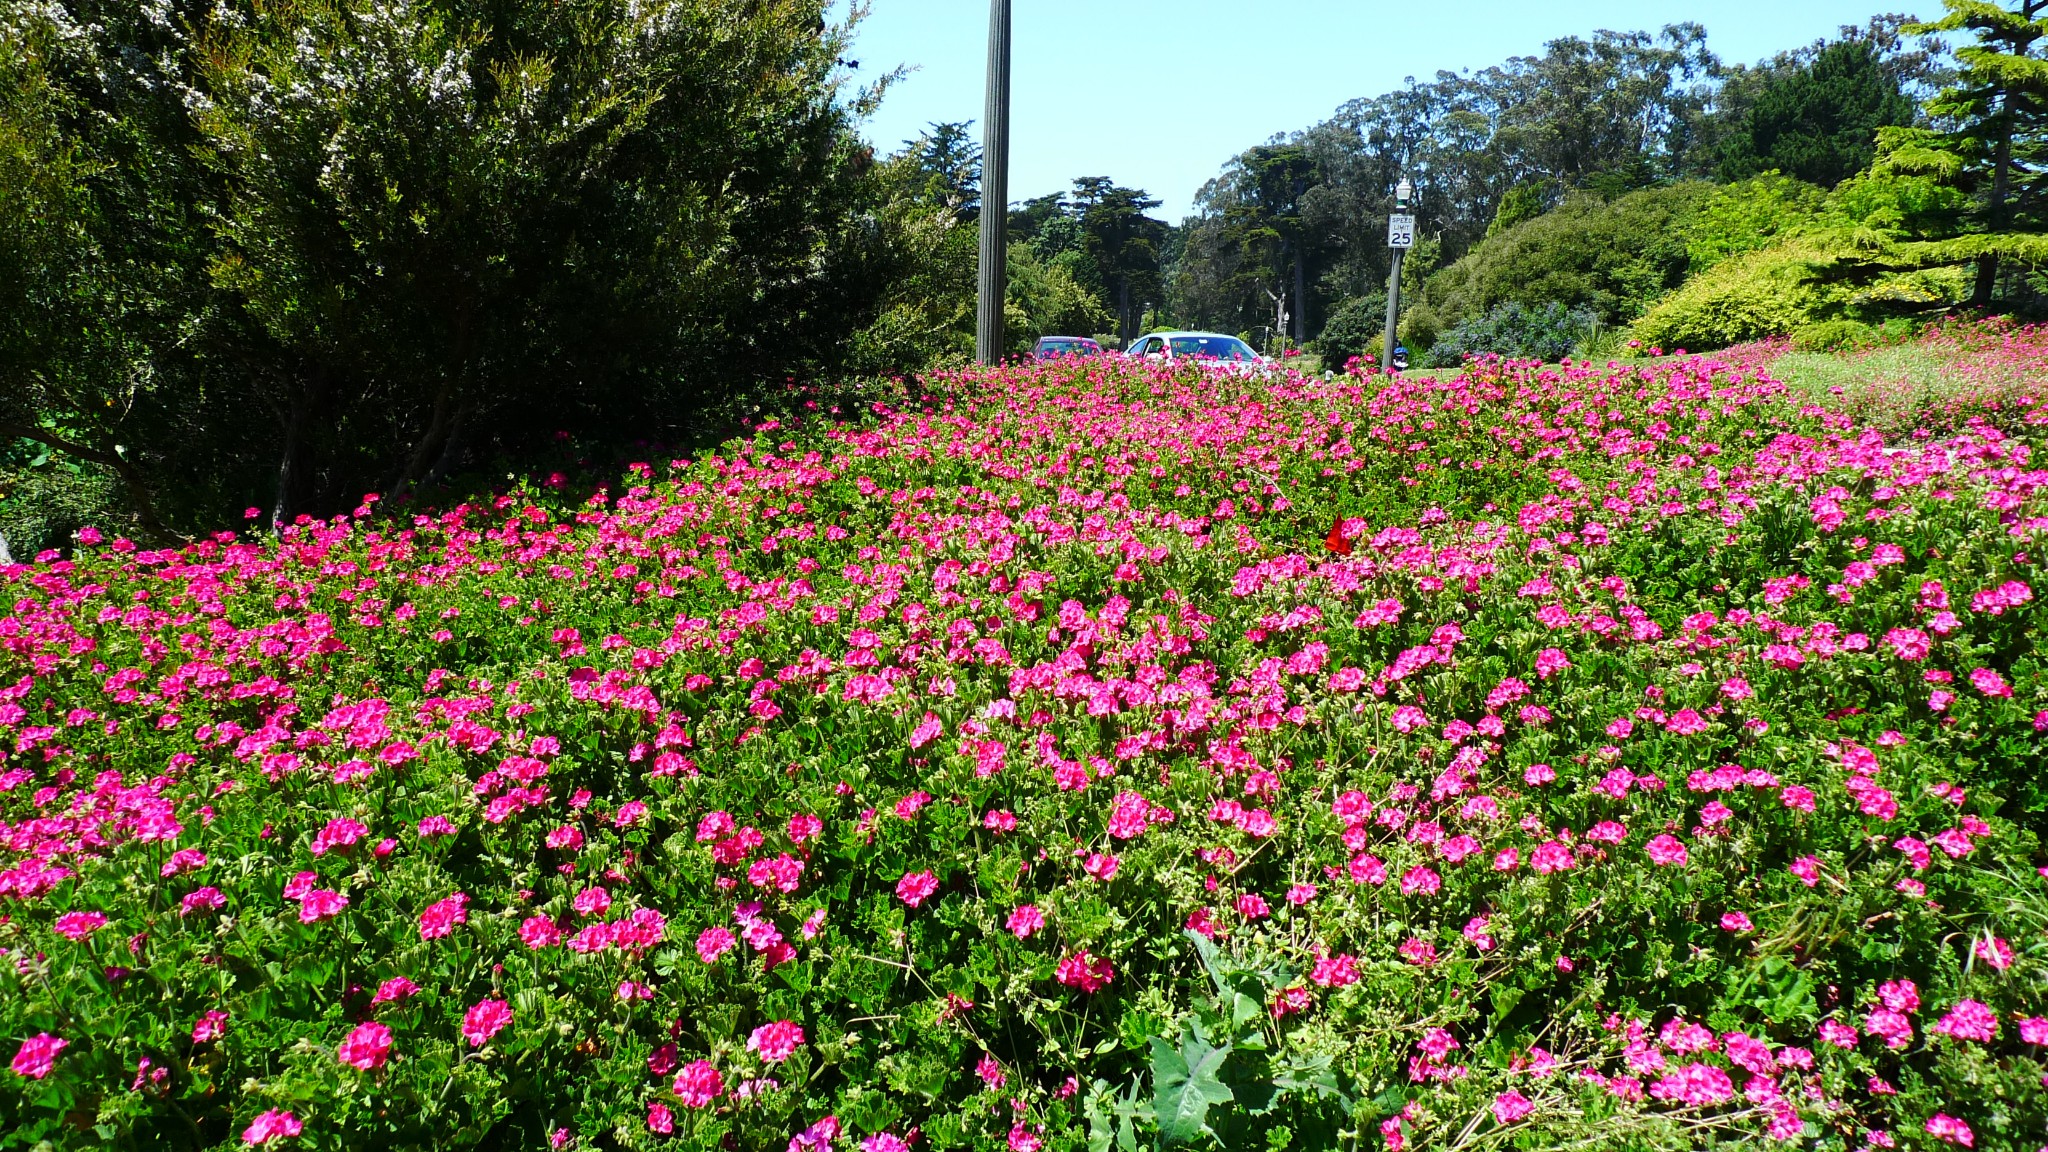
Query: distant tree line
{"x": 1305, "y": 214}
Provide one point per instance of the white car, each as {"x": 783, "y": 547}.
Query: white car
{"x": 1226, "y": 352}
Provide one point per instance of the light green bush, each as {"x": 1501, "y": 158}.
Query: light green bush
{"x": 1768, "y": 293}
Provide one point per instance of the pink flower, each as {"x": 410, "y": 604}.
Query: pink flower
{"x": 804, "y": 827}
{"x": 1511, "y": 1106}
{"x": 1537, "y": 775}
{"x": 442, "y": 916}
{"x": 1024, "y": 920}
{"x": 884, "y": 1142}
{"x": 485, "y": 1019}
{"x": 817, "y": 1137}
{"x": 660, "y": 1120}
{"x": 1694, "y": 1084}
{"x": 272, "y": 1125}
{"x": 1418, "y": 951}
{"x": 210, "y": 1027}
{"x": 713, "y": 943}
{"x": 1550, "y": 856}
{"x": 1129, "y": 816}
{"x": 393, "y": 990}
{"x": 1909, "y": 643}
{"x": 1088, "y": 973}
{"x": 1969, "y": 1020}
{"x": 1550, "y": 662}
{"x": 1894, "y": 1029}
{"x": 1736, "y": 922}
{"x": 367, "y": 1047}
{"x": 916, "y": 887}
{"x": 538, "y": 932}
{"x": 1666, "y": 851}
{"x": 320, "y": 904}
{"x": 1335, "y": 971}
{"x": 2034, "y": 1030}
{"x": 1994, "y": 951}
{"x": 1686, "y": 722}
{"x": 79, "y": 925}
{"x": 38, "y": 1055}
{"x": 926, "y": 731}
{"x": 776, "y": 1042}
{"x": 208, "y": 899}
{"x": 1950, "y": 1130}
{"x": 699, "y": 1083}
{"x": 1420, "y": 880}
{"x": 1475, "y": 932}
{"x": 1899, "y": 996}
{"x": 1990, "y": 683}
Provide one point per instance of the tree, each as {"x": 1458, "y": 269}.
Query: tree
{"x": 1993, "y": 137}
{"x": 1258, "y": 227}
{"x": 1122, "y": 244}
{"x": 1819, "y": 121}
{"x": 947, "y": 155}
{"x": 344, "y": 245}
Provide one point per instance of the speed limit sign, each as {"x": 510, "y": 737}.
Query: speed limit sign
{"x": 1401, "y": 231}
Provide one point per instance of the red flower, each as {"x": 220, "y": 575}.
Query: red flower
{"x": 1336, "y": 542}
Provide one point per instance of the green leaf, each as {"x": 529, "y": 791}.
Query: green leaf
{"x": 1184, "y": 1084}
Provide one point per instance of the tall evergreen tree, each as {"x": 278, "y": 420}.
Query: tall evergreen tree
{"x": 1996, "y": 118}
{"x": 1819, "y": 122}
{"x": 1123, "y": 244}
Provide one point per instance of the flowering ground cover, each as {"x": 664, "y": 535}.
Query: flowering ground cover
{"x": 1946, "y": 374}
{"x": 1085, "y": 757}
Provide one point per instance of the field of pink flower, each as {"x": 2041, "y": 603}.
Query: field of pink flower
{"x": 1581, "y": 757}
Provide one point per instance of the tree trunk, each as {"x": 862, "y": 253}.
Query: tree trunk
{"x": 1986, "y": 287}
{"x": 437, "y": 429}
{"x": 1300, "y": 300}
{"x": 452, "y": 450}
{"x": 291, "y": 464}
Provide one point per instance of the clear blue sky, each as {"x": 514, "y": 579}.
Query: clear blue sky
{"x": 1158, "y": 94}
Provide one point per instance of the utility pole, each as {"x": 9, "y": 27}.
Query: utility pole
{"x": 1400, "y": 238}
{"x": 995, "y": 189}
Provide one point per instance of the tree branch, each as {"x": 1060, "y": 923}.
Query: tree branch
{"x": 138, "y": 490}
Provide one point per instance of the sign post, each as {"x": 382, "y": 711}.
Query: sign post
{"x": 1400, "y": 238}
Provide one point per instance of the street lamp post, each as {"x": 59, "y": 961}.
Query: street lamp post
{"x": 1400, "y": 238}
{"x": 995, "y": 189}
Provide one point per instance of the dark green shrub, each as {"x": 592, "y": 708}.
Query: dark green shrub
{"x": 1542, "y": 333}
{"x": 1356, "y": 328}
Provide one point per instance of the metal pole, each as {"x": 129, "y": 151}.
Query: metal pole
{"x": 1400, "y": 234}
{"x": 1393, "y": 308}
{"x": 995, "y": 189}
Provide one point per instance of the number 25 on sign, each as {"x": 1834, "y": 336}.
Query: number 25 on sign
{"x": 1401, "y": 231}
